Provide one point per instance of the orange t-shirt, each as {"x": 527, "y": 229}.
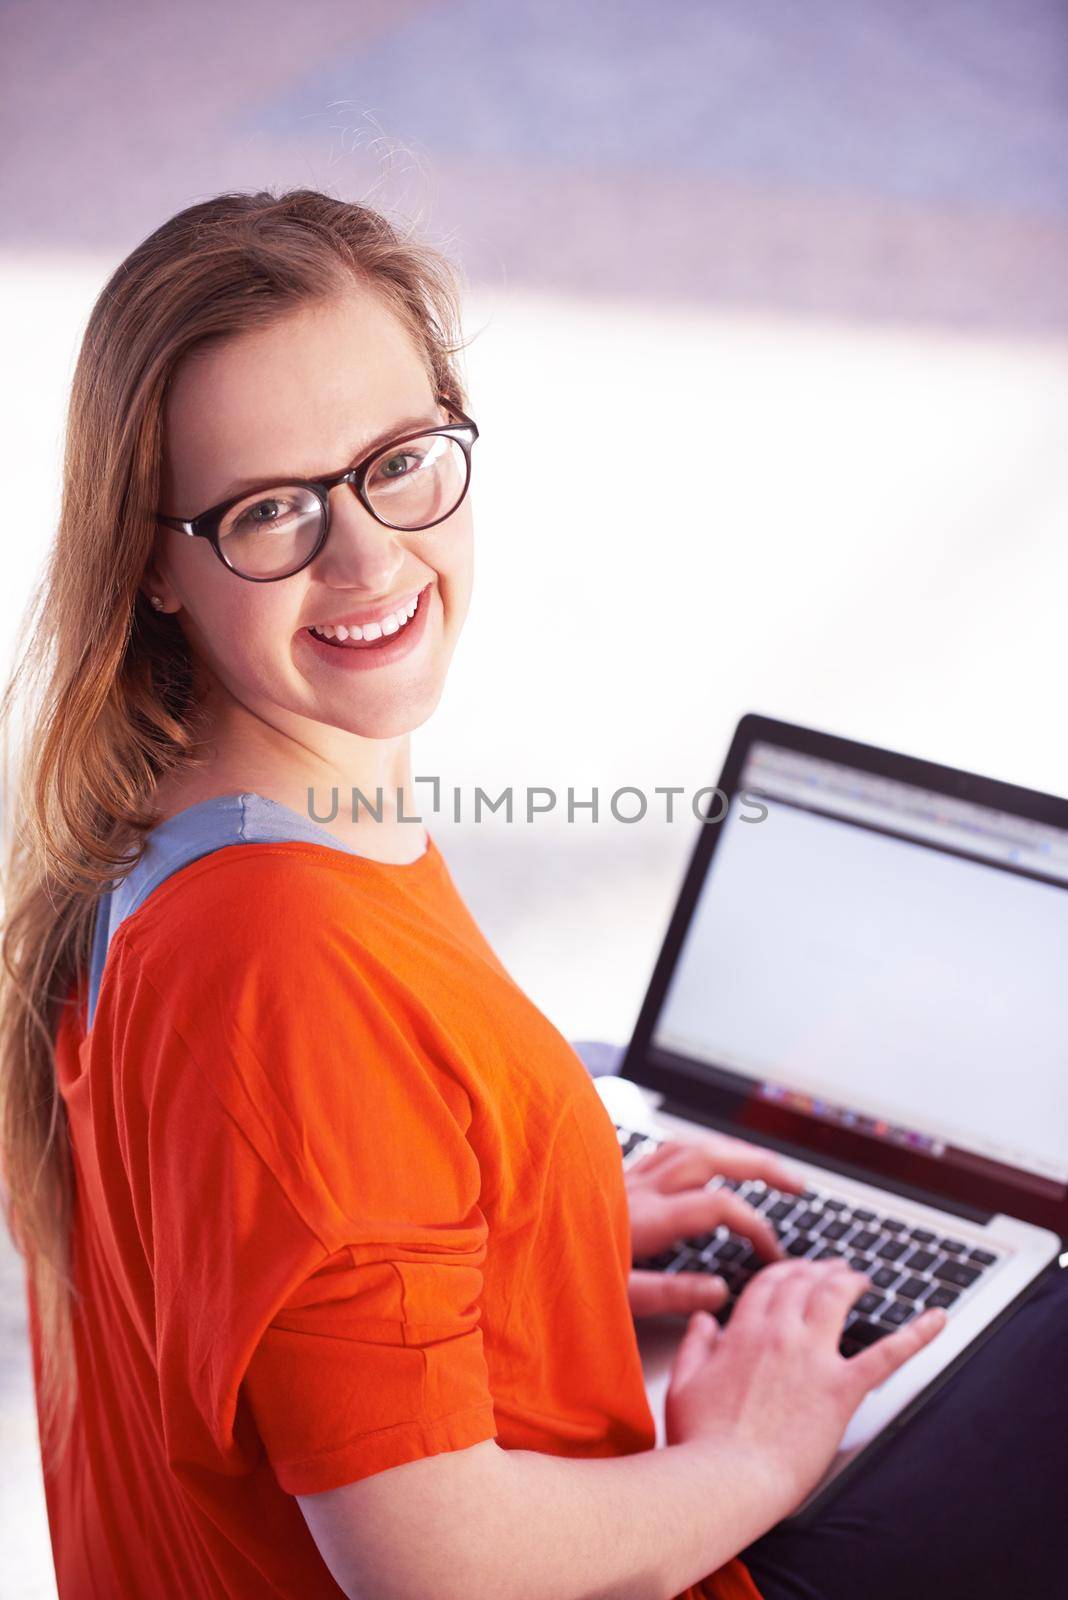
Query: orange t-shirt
{"x": 345, "y": 1198}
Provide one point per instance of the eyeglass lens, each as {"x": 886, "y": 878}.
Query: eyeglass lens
{"x": 273, "y": 532}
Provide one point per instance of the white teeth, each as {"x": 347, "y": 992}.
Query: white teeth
{"x": 371, "y": 630}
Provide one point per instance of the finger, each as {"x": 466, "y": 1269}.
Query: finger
{"x": 737, "y": 1158}
{"x": 880, "y": 1361}
{"x": 717, "y": 1155}
{"x": 686, "y": 1165}
{"x": 695, "y": 1211}
{"x": 654, "y": 1158}
{"x": 654, "y": 1294}
{"x": 830, "y": 1298}
{"x": 740, "y": 1217}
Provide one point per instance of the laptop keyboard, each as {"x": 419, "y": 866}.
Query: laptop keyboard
{"x": 911, "y": 1268}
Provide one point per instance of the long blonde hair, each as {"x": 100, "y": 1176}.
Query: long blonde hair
{"x": 101, "y": 704}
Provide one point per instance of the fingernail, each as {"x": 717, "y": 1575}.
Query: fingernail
{"x": 718, "y": 1283}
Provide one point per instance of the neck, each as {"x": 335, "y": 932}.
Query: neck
{"x": 314, "y": 770}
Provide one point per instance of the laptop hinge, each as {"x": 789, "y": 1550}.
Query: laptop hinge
{"x": 908, "y": 1191}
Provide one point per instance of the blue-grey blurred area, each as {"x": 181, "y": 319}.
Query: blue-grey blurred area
{"x": 882, "y": 158}
{"x": 769, "y": 306}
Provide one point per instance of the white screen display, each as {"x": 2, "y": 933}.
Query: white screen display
{"x": 884, "y": 975}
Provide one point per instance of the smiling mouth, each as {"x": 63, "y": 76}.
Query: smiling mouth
{"x": 373, "y": 635}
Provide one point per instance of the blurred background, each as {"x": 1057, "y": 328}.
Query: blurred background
{"x": 768, "y": 318}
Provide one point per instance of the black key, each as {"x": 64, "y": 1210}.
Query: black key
{"x": 952, "y": 1247}
{"x": 897, "y": 1313}
{"x": 688, "y": 1261}
{"x": 956, "y": 1272}
{"x": 800, "y": 1245}
{"x": 860, "y": 1263}
{"x": 834, "y": 1230}
{"x": 869, "y": 1302}
{"x": 728, "y": 1251}
{"x": 807, "y": 1220}
{"x": 863, "y": 1216}
{"x": 865, "y": 1240}
{"x": 921, "y": 1260}
{"x": 828, "y": 1251}
{"x": 730, "y": 1183}
{"x": 865, "y": 1333}
{"x": 914, "y": 1288}
{"x": 807, "y": 1194}
{"x": 922, "y": 1235}
{"x": 885, "y": 1277}
{"x": 942, "y": 1297}
{"x": 894, "y": 1225}
{"x": 779, "y": 1210}
{"x": 984, "y": 1257}
{"x": 835, "y": 1205}
{"x": 892, "y": 1249}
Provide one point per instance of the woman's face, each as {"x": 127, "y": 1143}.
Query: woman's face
{"x": 314, "y": 393}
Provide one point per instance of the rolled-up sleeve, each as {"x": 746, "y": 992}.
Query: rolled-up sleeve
{"x": 370, "y": 1365}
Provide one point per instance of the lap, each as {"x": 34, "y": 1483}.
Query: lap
{"x": 968, "y": 1499}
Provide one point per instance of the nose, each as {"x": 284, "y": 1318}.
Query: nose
{"x": 360, "y": 552}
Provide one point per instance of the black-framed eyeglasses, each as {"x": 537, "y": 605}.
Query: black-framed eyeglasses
{"x": 264, "y": 548}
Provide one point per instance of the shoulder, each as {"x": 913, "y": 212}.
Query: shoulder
{"x": 248, "y": 915}
{"x": 233, "y": 880}
{"x": 262, "y": 940}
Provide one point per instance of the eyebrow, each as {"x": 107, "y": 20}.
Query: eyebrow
{"x": 424, "y": 419}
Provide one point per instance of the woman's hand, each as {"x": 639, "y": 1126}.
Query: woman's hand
{"x": 772, "y": 1384}
{"x": 668, "y": 1201}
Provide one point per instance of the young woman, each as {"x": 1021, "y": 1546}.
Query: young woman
{"x": 328, "y": 1237}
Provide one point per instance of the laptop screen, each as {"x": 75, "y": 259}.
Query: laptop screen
{"x": 884, "y": 959}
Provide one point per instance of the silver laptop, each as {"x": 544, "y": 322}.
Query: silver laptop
{"x": 867, "y": 970}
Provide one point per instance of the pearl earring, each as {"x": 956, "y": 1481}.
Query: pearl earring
{"x": 157, "y": 602}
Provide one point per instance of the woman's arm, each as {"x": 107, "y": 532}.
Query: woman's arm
{"x": 519, "y": 1525}
{"x": 753, "y": 1416}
